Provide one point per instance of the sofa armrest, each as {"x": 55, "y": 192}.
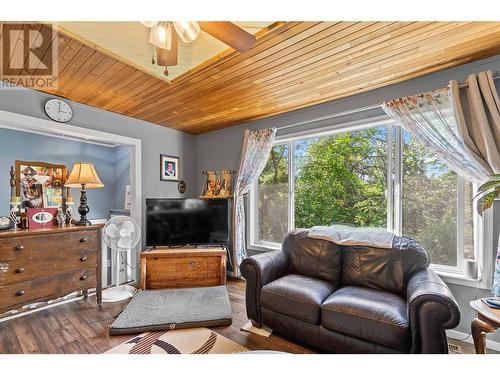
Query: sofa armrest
{"x": 431, "y": 310}
{"x": 258, "y": 271}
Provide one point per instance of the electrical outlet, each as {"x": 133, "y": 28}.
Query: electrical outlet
{"x": 455, "y": 348}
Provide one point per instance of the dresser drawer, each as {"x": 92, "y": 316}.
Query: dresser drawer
{"x": 21, "y": 269}
{"x": 183, "y": 272}
{"x": 47, "y": 245}
{"x": 26, "y": 292}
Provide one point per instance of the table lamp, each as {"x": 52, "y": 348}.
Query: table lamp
{"x": 85, "y": 176}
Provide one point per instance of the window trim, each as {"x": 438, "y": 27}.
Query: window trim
{"x": 394, "y": 199}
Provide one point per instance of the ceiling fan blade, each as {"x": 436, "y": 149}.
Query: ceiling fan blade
{"x": 230, "y": 34}
{"x": 165, "y": 57}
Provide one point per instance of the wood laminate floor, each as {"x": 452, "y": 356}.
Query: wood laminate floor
{"x": 79, "y": 327}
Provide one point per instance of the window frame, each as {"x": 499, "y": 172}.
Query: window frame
{"x": 394, "y": 194}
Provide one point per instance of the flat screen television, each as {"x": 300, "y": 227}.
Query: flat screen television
{"x": 179, "y": 222}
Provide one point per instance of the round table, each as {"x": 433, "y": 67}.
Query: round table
{"x": 487, "y": 321}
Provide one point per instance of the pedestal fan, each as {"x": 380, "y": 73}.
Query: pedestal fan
{"x": 121, "y": 234}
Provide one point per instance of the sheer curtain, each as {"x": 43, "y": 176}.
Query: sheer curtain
{"x": 257, "y": 145}
{"x": 430, "y": 118}
{"x": 461, "y": 126}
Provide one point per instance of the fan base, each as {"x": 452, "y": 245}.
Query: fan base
{"x": 118, "y": 293}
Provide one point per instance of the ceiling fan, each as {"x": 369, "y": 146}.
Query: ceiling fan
{"x": 164, "y": 35}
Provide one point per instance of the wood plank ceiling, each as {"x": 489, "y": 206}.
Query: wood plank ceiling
{"x": 293, "y": 65}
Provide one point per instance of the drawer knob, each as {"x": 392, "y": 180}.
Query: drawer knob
{"x": 83, "y": 259}
{"x": 192, "y": 263}
{"x": 20, "y": 293}
{"x": 84, "y": 239}
{"x": 20, "y": 270}
{"x": 84, "y": 277}
{"x": 19, "y": 247}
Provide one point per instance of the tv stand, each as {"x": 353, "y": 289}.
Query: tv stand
{"x": 195, "y": 246}
{"x": 183, "y": 267}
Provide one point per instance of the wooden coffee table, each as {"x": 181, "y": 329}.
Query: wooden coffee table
{"x": 487, "y": 321}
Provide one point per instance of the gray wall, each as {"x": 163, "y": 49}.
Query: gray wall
{"x": 155, "y": 139}
{"x": 210, "y": 154}
{"x": 17, "y": 145}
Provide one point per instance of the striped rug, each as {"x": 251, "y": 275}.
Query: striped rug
{"x": 182, "y": 341}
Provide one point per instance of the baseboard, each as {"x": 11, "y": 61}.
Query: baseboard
{"x": 457, "y": 335}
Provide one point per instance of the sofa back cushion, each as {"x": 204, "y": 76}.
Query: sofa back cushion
{"x": 312, "y": 257}
{"x": 384, "y": 269}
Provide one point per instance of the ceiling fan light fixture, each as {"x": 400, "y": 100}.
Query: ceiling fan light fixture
{"x": 161, "y": 35}
{"x": 188, "y": 30}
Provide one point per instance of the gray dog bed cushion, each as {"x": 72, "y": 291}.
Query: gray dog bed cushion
{"x": 160, "y": 310}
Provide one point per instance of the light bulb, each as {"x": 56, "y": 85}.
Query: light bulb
{"x": 161, "y": 35}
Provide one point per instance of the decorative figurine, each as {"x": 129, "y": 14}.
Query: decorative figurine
{"x": 60, "y": 217}
{"x": 6, "y": 223}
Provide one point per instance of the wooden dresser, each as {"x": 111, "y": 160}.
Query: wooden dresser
{"x": 185, "y": 267}
{"x": 43, "y": 264}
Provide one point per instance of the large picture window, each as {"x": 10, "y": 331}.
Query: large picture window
{"x": 374, "y": 176}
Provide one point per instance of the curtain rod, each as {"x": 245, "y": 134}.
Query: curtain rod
{"x": 465, "y": 84}
{"x": 352, "y": 111}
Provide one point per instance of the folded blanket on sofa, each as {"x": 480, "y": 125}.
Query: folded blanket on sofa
{"x": 351, "y": 236}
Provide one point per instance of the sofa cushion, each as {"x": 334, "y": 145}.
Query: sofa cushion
{"x": 384, "y": 269}
{"x": 311, "y": 257}
{"x": 372, "y": 315}
{"x": 296, "y": 295}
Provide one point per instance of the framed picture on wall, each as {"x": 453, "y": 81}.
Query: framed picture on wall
{"x": 169, "y": 168}
{"x": 40, "y": 184}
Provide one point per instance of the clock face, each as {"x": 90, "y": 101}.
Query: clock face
{"x": 58, "y": 110}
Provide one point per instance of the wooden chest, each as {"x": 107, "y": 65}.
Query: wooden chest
{"x": 183, "y": 267}
{"x": 43, "y": 264}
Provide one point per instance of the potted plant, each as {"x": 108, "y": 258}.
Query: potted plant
{"x": 487, "y": 192}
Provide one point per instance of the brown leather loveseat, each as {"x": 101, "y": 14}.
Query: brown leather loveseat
{"x": 351, "y": 299}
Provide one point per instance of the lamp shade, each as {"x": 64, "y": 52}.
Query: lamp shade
{"x": 161, "y": 35}
{"x": 187, "y": 30}
{"x": 84, "y": 173}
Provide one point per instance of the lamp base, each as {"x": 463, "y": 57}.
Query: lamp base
{"x": 83, "y": 222}
{"x": 83, "y": 210}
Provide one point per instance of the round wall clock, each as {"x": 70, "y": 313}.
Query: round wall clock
{"x": 58, "y": 110}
